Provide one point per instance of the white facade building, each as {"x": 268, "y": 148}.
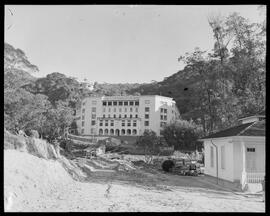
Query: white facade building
{"x": 125, "y": 115}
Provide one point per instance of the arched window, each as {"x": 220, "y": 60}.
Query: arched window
{"x": 123, "y": 132}
{"x": 134, "y": 132}
{"x": 128, "y": 132}
{"x": 106, "y": 131}
{"x": 100, "y": 132}
{"x": 117, "y": 132}
{"x": 112, "y": 132}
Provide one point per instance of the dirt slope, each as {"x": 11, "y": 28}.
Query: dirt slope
{"x": 40, "y": 185}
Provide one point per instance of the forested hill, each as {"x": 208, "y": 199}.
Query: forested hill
{"x": 214, "y": 89}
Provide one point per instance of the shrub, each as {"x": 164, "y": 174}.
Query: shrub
{"x": 167, "y": 165}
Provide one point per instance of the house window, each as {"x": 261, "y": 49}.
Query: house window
{"x": 109, "y": 116}
{"x": 146, "y": 123}
{"x": 104, "y": 103}
{"x": 165, "y": 110}
{"x": 120, "y": 103}
{"x": 109, "y": 103}
{"x": 82, "y": 131}
{"x": 115, "y": 103}
{"x": 83, "y": 117}
{"x": 136, "y": 110}
{"x": 93, "y": 122}
{"x": 134, "y": 123}
{"x": 250, "y": 149}
{"x": 165, "y": 118}
{"x": 119, "y": 115}
{"x": 161, "y": 110}
{"x": 146, "y": 116}
{"x": 125, "y": 116}
{"x": 109, "y": 110}
{"x": 106, "y": 122}
{"x": 147, "y": 109}
{"x": 212, "y": 156}
{"x": 83, "y": 110}
{"x": 100, "y": 123}
{"x": 93, "y": 116}
{"x": 112, "y": 123}
{"x": 130, "y": 116}
{"x": 136, "y": 116}
{"x": 125, "y": 103}
{"x": 104, "y": 109}
{"x": 137, "y": 103}
{"x": 161, "y": 117}
{"x": 130, "y": 109}
{"x": 103, "y": 115}
{"x": 131, "y": 103}
{"x": 125, "y": 109}
{"x": 114, "y": 116}
{"x": 129, "y": 123}
{"x": 123, "y": 123}
{"x": 222, "y": 157}
{"x": 83, "y": 124}
{"x": 120, "y": 110}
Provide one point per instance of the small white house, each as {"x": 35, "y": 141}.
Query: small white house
{"x": 237, "y": 154}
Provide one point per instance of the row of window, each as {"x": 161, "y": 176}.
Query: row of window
{"x": 163, "y": 117}
{"x": 120, "y": 109}
{"x": 120, "y": 116}
{"x": 93, "y": 122}
{"x": 163, "y": 110}
{"x": 117, "y": 132}
{"x": 120, "y": 103}
{"x": 123, "y": 123}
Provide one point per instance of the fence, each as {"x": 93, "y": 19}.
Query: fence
{"x": 254, "y": 177}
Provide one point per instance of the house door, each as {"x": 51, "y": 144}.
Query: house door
{"x": 251, "y": 159}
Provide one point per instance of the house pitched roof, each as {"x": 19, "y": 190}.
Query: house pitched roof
{"x": 248, "y": 129}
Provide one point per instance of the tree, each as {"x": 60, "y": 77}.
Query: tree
{"x": 150, "y": 143}
{"x": 183, "y": 135}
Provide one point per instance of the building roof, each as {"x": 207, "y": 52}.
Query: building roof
{"x": 249, "y": 129}
{"x": 259, "y": 114}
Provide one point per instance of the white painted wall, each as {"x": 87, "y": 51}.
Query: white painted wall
{"x": 156, "y": 102}
{"x": 226, "y": 173}
{"x": 237, "y": 160}
{"x": 259, "y": 144}
{"x": 234, "y": 156}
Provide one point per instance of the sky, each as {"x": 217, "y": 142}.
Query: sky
{"x": 113, "y": 43}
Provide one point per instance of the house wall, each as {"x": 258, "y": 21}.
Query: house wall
{"x": 227, "y": 173}
{"x": 259, "y": 144}
{"x": 237, "y": 160}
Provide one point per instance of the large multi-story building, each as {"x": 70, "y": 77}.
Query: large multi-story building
{"x": 125, "y": 115}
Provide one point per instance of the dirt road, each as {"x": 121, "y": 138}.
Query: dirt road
{"x": 34, "y": 184}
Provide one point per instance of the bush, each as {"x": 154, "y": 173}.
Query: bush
{"x": 167, "y": 165}
{"x": 12, "y": 141}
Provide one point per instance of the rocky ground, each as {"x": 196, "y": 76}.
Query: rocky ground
{"x": 39, "y": 185}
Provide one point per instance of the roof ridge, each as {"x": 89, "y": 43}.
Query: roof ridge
{"x": 246, "y": 128}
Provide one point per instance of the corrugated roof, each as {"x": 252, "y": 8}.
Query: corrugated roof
{"x": 248, "y": 129}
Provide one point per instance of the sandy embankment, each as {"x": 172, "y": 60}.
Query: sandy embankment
{"x": 35, "y": 184}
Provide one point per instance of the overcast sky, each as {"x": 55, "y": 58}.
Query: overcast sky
{"x": 115, "y": 44}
